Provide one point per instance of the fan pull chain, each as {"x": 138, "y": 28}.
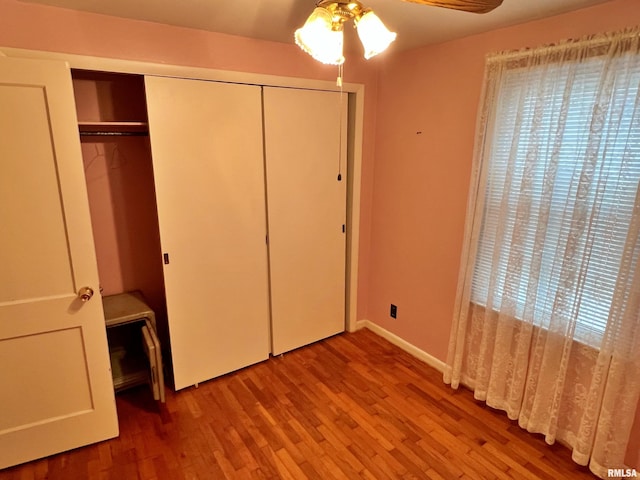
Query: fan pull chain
{"x": 339, "y": 84}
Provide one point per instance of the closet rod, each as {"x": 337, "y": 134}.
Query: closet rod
{"x": 113, "y": 134}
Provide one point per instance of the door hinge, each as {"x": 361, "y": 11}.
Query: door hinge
{"x": 165, "y": 257}
{"x": 344, "y": 228}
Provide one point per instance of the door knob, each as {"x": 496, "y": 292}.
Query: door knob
{"x": 85, "y": 294}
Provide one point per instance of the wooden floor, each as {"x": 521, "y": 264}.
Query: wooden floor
{"x": 353, "y": 406}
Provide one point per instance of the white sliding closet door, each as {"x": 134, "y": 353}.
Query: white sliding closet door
{"x": 305, "y": 142}
{"x": 206, "y": 141}
{"x": 56, "y": 391}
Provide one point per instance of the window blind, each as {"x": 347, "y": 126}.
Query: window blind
{"x": 546, "y": 116}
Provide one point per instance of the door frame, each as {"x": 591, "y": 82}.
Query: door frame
{"x": 355, "y": 92}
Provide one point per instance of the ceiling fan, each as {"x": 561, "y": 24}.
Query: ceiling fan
{"x": 474, "y": 6}
{"x": 322, "y": 34}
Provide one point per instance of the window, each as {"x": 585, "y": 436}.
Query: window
{"x": 576, "y": 169}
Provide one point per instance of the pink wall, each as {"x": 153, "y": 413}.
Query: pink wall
{"x": 421, "y": 179}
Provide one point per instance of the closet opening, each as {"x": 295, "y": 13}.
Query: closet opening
{"x": 112, "y": 122}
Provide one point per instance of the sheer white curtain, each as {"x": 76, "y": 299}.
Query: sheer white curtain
{"x": 547, "y": 315}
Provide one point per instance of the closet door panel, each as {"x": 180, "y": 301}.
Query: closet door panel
{"x": 206, "y": 141}
{"x": 306, "y": 214}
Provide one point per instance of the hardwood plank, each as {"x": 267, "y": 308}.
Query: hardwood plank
{"x": 350, "y": 407}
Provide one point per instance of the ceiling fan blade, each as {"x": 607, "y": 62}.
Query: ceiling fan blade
{"x": 474, "y": 6}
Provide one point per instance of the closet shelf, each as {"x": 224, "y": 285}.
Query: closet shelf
{"x": 113, "y": 128}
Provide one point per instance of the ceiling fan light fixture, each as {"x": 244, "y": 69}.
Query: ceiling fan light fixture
{"x": 322, "y": 34}
{"x": 375, "y": 37}
{"x": 321, "y": 37}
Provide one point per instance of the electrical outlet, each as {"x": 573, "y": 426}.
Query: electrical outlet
{"x": 394, "y": 311}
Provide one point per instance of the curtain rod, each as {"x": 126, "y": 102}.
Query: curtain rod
{"x": 596, "y": 40}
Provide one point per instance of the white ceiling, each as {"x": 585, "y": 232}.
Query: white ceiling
{"x": 276, "y": 20}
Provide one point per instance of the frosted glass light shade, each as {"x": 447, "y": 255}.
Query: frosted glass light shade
{"x": 318, "y": 38}
{"x": 375, "y": 37}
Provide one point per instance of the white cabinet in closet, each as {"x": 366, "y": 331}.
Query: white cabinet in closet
{"x": 305, "y": 150}
{"x": 207, "y": 149}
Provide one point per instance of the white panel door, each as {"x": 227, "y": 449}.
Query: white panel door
{"x": 56, "y": 391}
{"x": 206, "y": 142}
{"x": 305, "y": 145}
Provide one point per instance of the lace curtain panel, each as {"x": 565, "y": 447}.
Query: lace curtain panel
{"x": 547, "y": 316}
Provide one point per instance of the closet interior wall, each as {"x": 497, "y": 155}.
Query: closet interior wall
{"x": 119, "y": 174}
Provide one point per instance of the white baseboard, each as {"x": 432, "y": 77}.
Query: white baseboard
{"x": 403, "y": 344}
